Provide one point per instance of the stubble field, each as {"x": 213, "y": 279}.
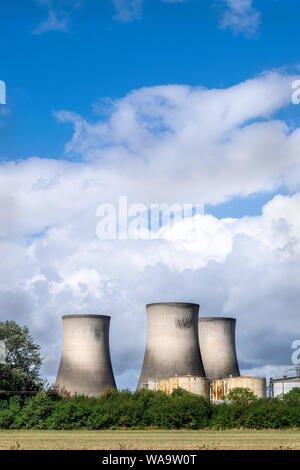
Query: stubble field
{"x": 149, "y": 440}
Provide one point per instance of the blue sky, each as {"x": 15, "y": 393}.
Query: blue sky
{"x": 100, "y": 56}
{"x": 163, "y": 101}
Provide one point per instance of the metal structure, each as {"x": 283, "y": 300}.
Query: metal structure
{"x": 221, "y": 388}
{"x": 197, "y": 385}
{"x": 172, "y": 342}
{"x": 283, "y": 385}
{"x": 85, "y": 366}
{"x": 217, "y": 347}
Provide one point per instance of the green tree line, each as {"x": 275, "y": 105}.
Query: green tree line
{"x": 145, "y": 408}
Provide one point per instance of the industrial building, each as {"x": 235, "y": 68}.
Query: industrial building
{"x": 172, "y": 347}
{"x": 172, "y": 357}
{"x": 197, "y": 385}
{"x": 221, "y": 388}
{"x": 285, "y": 384}
{"x": 182, "y": 350}
{"x": 217, "y": 347}
{"x": 85, "y": 367}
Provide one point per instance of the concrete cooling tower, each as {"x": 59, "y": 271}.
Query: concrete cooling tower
{"x": 85, "y": 366}
{"x": 172, "y": 342}
{"x": 217, "y": 347}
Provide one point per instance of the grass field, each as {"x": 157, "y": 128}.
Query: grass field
{"x": 149, "y": 440}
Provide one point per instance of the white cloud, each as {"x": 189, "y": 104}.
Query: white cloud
{"x": 161, "y": 144}
{"x": 245, "y": 267}
{"x": 128, "y": 10}
{"x": 57, "y": 19}
{"x": 52, "y": 23}
{"x": 58, "y": 15}
{"x": 175, "y": 134}
{"x": 270, "y": 371}
{"x": 240, "y": 16}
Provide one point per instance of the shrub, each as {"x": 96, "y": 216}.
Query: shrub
{"x": 9, "y": 410}
{"x": 241, "y": 395}
{"x": 293, "y": 396}
{"x": 35, "y": 412}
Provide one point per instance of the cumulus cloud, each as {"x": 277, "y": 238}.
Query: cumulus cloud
{"x": 161, "y": 144}
{"x": 240, "y": 16}
{"x": 224, "y": 142}
{"x": 248, "y": 268}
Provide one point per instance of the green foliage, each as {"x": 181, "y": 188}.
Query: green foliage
{"x": 112, "y": 409}
{"x": 145, "y": 408}
{"x": 23, "y": 360}
{"x": 227, "y": 416}
{"x": 35, "y": 412}
{"x": 241, "y": 395}
{"x": 9, "y": 410}
{"x": 259, "y": 414}
{"x": 292, "y": 396}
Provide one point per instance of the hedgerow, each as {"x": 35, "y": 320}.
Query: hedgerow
{"x": 145, "y": 408}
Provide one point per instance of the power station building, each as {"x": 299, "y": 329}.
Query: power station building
{"x": 172, "y": 347}
{"x": 197, "y": 385}
{"x": 85, "y": 367}
{"x": 182, "y": 350}
{"x": 220, "y": 388}
{"x": 217, "y": 347}
{"x": 281, "y": 386}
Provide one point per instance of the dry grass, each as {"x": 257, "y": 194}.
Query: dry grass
{"x": 149, "y": 440}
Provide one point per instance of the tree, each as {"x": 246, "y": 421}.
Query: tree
{"x": 293, "y": 395}
{"x": 23, "y": 360}
{"x": 241, "y": 395}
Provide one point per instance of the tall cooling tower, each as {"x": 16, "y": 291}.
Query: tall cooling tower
{"x": 85, "y": 365}
{"x": 217, "y": 347}
{"x": 172, "y": 342}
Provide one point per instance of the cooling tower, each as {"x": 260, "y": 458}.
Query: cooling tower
{"x": 172, "y": 342}
{"x": 85, "y": 366}
{"x": 217, "y": 347}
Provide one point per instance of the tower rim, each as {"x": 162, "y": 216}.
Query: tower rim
{"x": 81, "y": 315}
{"x": 216, "y": 318}
{"x": 173, "y": 304}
